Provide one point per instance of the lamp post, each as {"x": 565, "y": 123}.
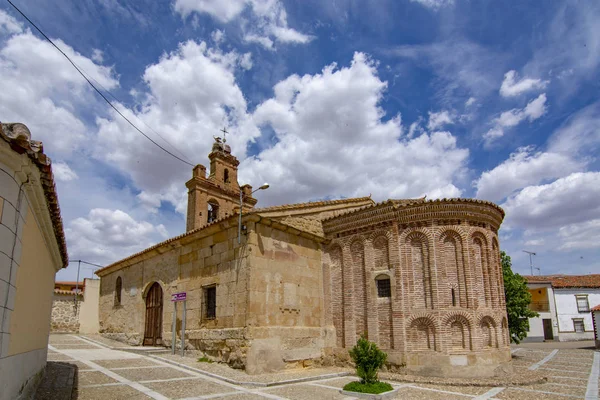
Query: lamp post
{"x": 531, "y": 253}
{"x": 263, "y": 187}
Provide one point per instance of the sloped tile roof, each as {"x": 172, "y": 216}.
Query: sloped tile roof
{"x": 18, "y": 137}
{"x": 313, "y": 204}
{"x": 567, "y": 281}
{"x": 597, "y": 308}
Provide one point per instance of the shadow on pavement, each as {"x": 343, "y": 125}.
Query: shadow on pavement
{"x": 60, "y": 382}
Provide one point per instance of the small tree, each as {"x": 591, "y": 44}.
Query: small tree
{"x": 368, "y": 359}
{"x": 517, "y": 301}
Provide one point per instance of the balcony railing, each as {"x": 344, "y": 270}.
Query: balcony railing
{"x": 541, "y": 306}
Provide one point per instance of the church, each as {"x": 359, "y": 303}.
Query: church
{"x": 297, "y": 284}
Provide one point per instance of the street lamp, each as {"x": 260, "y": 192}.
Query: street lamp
{"x": 531, "y": 253}
{"x": 263, "y": 187}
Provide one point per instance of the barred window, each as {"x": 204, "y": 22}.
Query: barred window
{"x": 582, "y": 303}
{"x": 210, "y": 302}
{"x": 384, "y": 288}
{"x": 578, "y": 325}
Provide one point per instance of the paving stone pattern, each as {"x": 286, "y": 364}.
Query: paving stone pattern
{"x": 82, "y": 369}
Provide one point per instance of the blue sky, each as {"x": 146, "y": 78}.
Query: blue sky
{"x": 323, "y": 99}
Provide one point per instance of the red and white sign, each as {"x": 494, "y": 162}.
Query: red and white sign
{"x": 179, "y": 296}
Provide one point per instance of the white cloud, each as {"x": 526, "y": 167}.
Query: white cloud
{"x": 333, "y": 140}
{"x": 217, "y": 36}
{"x": 267, "y": 19}
{"x": 470, "y": 101}
{"x": 569, "y": 200}
{"x": 524, "y": 168}
{"x": 8, "y": 24}
{"x": 97, "y": 55}
{"x": 438, "y": 120}
{"x": 584, "y": 235}
{"x": 513, "y": 86}
{"x": 534, "y": 110}
{"x": 246, "y": 61}
{"x": 109, "y": 235}
{"x": 62, "y": 172}
{"x": 434, "y": 4}
{"x": 579, "y": 134}
{"x": 41, "y": 89}
{"x": 535, "y": 242}
{"x": 192, "y": 94}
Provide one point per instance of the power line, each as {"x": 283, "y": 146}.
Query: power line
{"x": 95, "y": 88}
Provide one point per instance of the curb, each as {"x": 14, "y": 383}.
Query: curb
{"x": 379, "y": 396}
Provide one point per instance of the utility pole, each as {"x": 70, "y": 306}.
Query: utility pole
{"x": 531, "y": 253}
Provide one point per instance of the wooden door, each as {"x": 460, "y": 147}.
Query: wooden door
{"x": 154, "y": 304}
{"x": 548, "y": 334}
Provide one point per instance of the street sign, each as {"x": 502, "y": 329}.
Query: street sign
{"x": 178, "y": 296}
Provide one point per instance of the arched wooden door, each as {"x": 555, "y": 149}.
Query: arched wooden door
{"x": 154, "y": 305}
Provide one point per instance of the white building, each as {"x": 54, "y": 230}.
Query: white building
{"x": 596, "y": 320}
{"x": 564, "y": 303}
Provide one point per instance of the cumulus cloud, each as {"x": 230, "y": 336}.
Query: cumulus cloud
{"x": 513, "y": 86}
{"x": 267, "y": 19}
{"x": 217, "y": 36}
{"x": 470, "y": 102}
{"x": 523, "y": 168}
{"x": 439, "y": 119}
{"x": 192, "y": 94}
{"x": 8, "y": 24}
{"x": 41, "y": 89}
{"x": 246, "y": 61}
{"x": 109, "y": 235}
{"x": 332, "y": 140}
{"x": 97, "y": 55}
{"x": 62, "y": 172}
{"x": 532, "y": 111}
{"x": 569, "y": 200}
{"x": 584, "y": 235}
{"x": 580, "y": 134}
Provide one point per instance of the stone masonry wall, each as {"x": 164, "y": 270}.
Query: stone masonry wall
{"x": 64, "y": 319}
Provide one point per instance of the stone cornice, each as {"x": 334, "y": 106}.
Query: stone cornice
{"x": 438, "y": 212}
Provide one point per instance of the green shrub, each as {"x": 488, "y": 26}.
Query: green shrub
{"x": 368, "y": 359}
{"x": 205, "y": 359}
{"x": 372, "y": 388}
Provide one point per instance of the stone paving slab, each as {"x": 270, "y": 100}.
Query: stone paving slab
{"x": 122, "y": 392}
{"x": 149, "y": 374}
{"x": 99, "y": 354}
{"x": 416, "y": 394}
{"x": 79, "y": 346}
{"x": 305, "y": 391}
{"x": 130, "y": 362}
{"x": 188, "y": 388}
{"x": 514, "y": 394}
{"x": 58, "y": 382}
{"x": 94, "y": 378}
{"x": 471, "y": 390}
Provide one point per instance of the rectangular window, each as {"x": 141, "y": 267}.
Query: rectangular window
{"x": 578, "y": 326}
{"x": 210, "y": 302}
{"x": 582, "y": 303}
{"x": 383, "y": 288}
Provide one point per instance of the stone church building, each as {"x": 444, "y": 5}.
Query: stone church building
{"x": 299, "y": 283}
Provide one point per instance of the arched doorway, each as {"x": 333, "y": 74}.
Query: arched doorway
{"x": 154, "y": 304}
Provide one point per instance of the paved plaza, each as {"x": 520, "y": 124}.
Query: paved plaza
{"x": 105, "y": 372}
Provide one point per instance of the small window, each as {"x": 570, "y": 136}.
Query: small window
{"x": 226, "y": 176}
{"x": 453, "y": 297}
{"x": 118, "y": 290}
{"x": 582, "y": 303}
{"x": 384, "y": 288}
{"x": 213, "y": 211}
{"x": 578, "y": 325}
{"x": 210, "y": 302}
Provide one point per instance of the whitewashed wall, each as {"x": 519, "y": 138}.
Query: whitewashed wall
{"x": 536, "y": 325}
{"x": 566, "y": 308}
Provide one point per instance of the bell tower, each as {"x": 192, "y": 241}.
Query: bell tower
{"x": 218, "y": 195}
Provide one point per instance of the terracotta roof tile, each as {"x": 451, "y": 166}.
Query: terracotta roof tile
{"x": 313, "y": 204}
{"x": 69, "y": 283}
{"x": 19, "y": 138}
{"x": 567, "y": 281}
{"x": 60, "y": 291}
{"x": 597, "y": 308}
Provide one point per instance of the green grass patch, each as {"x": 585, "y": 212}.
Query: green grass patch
{"x": 372, "y": 388}
{"x": 205, "y": 359}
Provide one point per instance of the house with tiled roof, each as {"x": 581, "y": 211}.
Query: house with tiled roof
{"x": 32, "y": 250}
{"x": 564, "y": 303}
{"x": 294, "y": 284}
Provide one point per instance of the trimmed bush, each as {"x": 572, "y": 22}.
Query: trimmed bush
{"x": 205, "y": 359}
{"x": 368, "y": 359}
{"x": 372, "y": 388}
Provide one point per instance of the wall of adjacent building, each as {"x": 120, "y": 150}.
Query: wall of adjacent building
{"x": 566, "y": 309}
{"x": 536, "y": 325}
{"x": 65, "y": 315}
{"x": 89, "y": 307}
